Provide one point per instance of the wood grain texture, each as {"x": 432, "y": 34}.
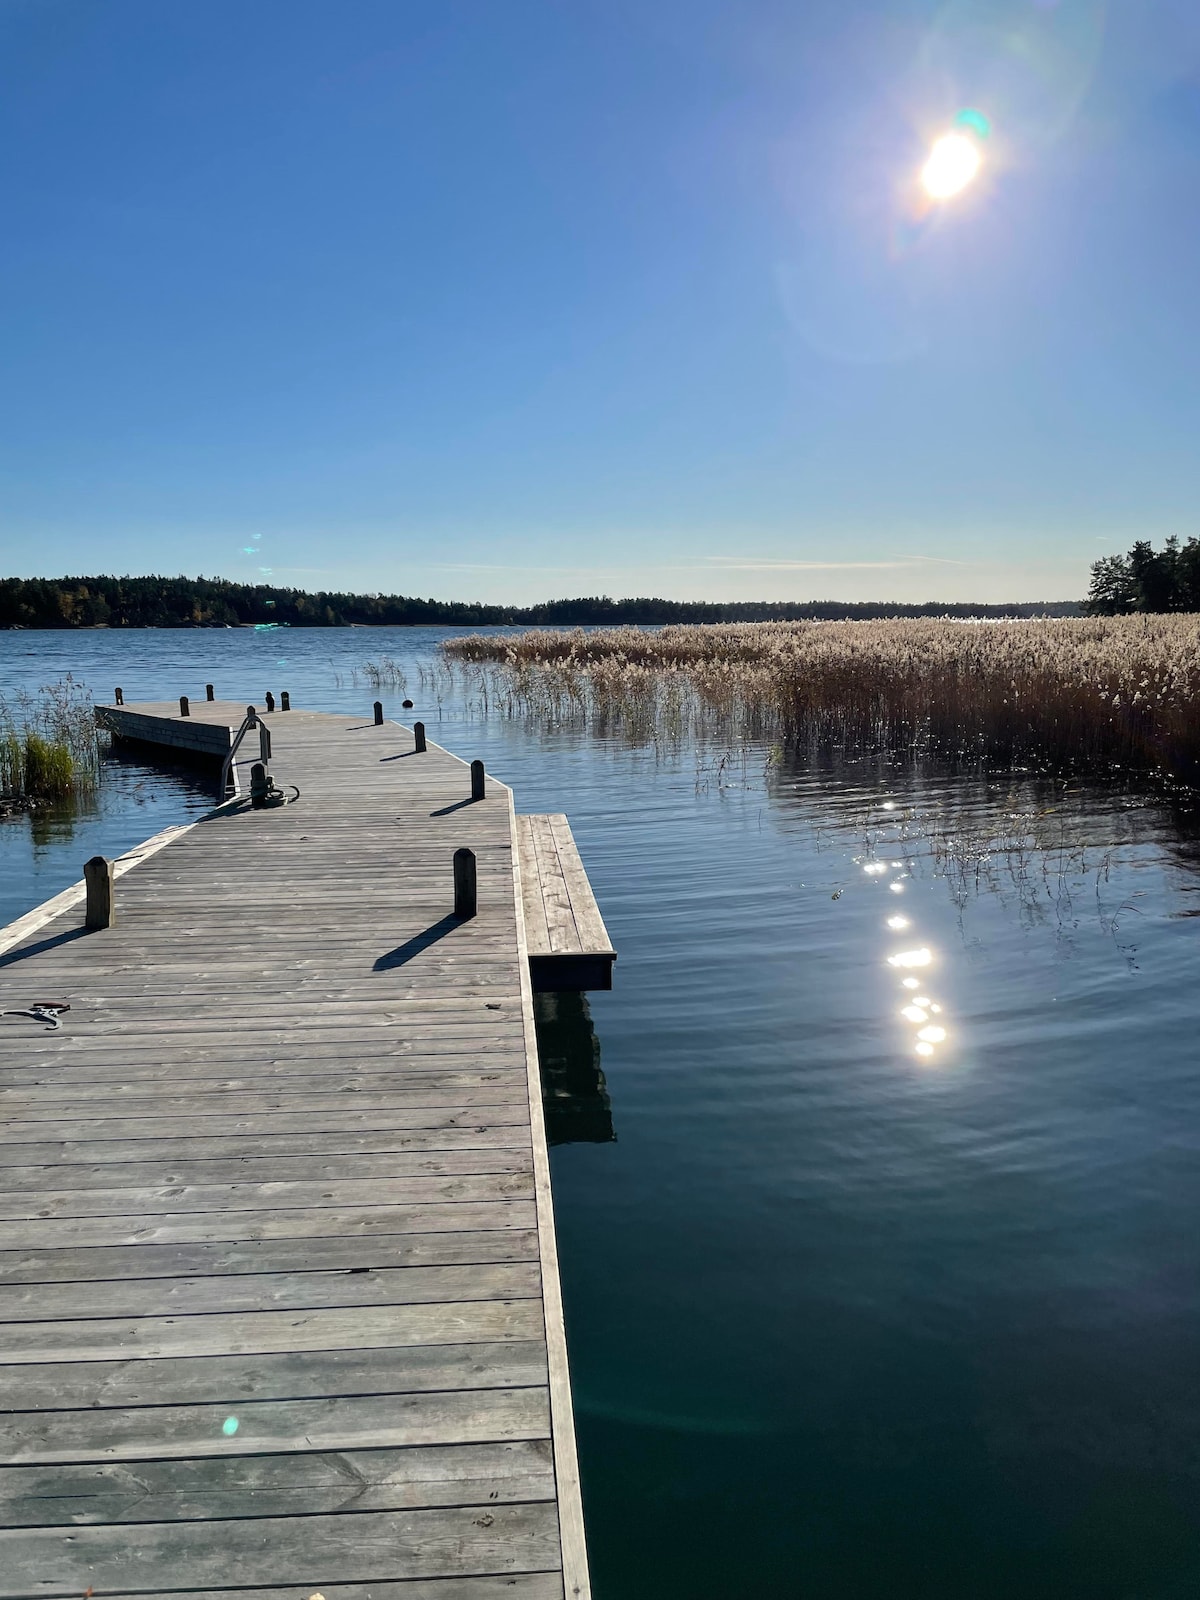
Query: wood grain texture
{"x": 338, "y": 1422}
{"x": 233, "y": 1379}
{"x": 195, "y": 1488}
{"x": 309, "y": 1551}
{"x": 284, "y": 1164}
{"x": 228, "y": 1258}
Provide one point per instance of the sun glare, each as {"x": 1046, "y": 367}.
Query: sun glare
{"x": 953, "y": 163}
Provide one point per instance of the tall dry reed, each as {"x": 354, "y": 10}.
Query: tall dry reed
{"x": 1064, "y": 693}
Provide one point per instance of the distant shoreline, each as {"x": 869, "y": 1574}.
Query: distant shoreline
{"x": 119, "y": 603}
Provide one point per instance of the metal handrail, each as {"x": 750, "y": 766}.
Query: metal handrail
{"x": 250, "y": 720}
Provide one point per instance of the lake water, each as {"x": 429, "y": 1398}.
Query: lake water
{"x": 846, "y": 1320}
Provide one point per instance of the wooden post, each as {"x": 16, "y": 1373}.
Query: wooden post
{"x": 184, "y": 709}
{"x": 270, "y": 701}
{"x": 478, "y": 781}
{"x": 119, "y": 696}
{"x": 285, "y": 701}
{"x": 418, "y": 736}
{"x": 464, "y": 884}
{"x": 264, "y": 742}
{"x": 258, "y": 786}
{"x": 101, "y": 910}
{"x": 209, "y": 693}
{"x": 379, "y": 713}
{"x": 252, "y": 716}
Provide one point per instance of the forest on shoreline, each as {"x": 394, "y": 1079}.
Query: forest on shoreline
{"x": 181, "y": 602}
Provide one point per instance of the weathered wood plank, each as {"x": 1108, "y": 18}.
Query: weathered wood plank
{"x": 62, "y": 1154}
{"x": 253, "y": 1427}
{"x": 593, "y": 935}
{"x": 298, "y": 1484}
{"x": 560, "y": 918}
{"x": 369, "y": 1085}
{"x": 363, "y": 1286}
{"x": 40, "y": 1053}
{"x": 298, "y": 1074}
{"x": 177, "y": 1199}
{"x": 19, "y": 1183}
{"x": 215, "y": 1124}
{"x": 267, "y": 1332}
{"x": 338, "y": 1253}
{"x": 306, "y": 1289}
{"x": 318, "y": 1222}
{"x": 287, "y": 1375}
{"x": 309, "y": 1551}
{"x": 30, "y": 1111}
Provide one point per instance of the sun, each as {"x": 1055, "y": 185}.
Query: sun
{"x": 953, "y": 163}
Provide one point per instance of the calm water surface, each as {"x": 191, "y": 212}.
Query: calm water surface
{"x": 846, "y": 1320}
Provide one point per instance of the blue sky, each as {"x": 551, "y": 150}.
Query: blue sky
{"x": 511, "y": 300}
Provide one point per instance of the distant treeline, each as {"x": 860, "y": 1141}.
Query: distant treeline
{"x": 1146, "y": 579}
{"x": 157, "y": 602}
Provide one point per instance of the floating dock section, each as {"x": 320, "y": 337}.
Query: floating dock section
{"x": 279, "y": 1298}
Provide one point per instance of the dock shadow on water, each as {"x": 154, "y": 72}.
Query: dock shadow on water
{"x": 574, "y": 1094}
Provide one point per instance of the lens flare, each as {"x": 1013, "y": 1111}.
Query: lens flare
{"x": 979, "y": 125}
{"x": 953, "y": 163}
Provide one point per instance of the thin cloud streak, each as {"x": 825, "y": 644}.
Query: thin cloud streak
{"x": 709, "y": 564}
{"x": 753, "y": 564}
{"x": 729, "y": 564}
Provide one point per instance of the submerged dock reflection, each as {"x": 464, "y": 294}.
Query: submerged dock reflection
{"x": 574, "y": 1093}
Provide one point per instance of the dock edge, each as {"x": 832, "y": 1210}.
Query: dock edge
{"x": 572, "y": 1540}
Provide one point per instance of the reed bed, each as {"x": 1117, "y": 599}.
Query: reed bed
{"x": 1077, "y": 693}
{"x": 49, "y": 748}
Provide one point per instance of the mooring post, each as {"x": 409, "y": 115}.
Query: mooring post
{"x": 418, "y": 736}
{"x": 270, "y": 701}
{"x": 258, "y": 786}
{"x": 264, "y": 742}
{"x": 478, "y": 781}
{"x": 209, "y": 693}
{"x": 251, "y": 717}
{"x": 184, "y": 709}
{"x": 464, "y": 884}
{"x": 119, "y": 696}
{"x": 285, "y": 701}
{"x": 98, "y": 877}
{"x": 379, "y": 713}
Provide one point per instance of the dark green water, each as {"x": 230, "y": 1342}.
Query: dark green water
{"x": 845, "y": 1320}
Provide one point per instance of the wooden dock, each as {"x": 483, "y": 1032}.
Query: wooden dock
{"x": 279, "y": 1298}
